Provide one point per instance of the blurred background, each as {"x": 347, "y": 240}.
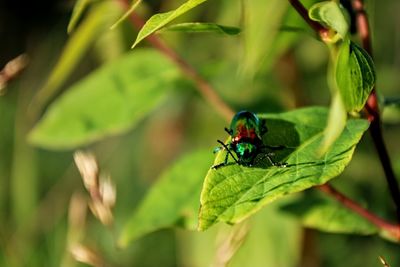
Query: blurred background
{"x": 276, "y": 64}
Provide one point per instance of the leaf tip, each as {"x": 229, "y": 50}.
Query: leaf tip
{"x": 134, "y": 44}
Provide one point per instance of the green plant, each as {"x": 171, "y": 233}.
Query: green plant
{"x": 130, "y": 87}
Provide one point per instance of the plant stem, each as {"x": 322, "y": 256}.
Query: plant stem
{"x": 373, "y": 116}
{"x": 204, "y": 87}
{"x": 316, "y": 26}
{"x": 373, "y": 112}
{"x": 393, "y": 229}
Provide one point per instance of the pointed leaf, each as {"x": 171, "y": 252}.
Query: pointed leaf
{"x": 110, "y": 100}
{"x": 355, "y": 75}
{"x": 200, "y": 27}
{"x": 232, "y": 193}
{"x": 132, "y": 8}
{"x": 77, "y": 12}
{"x": 328, "y": 215}
{"x": 158, "y": 21}
{"x": 75, "y": 49}
{"x": 172, "y": 200}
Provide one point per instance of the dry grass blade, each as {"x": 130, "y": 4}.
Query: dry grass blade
{"x": 88, "y": 168}
{"x": 86, "y": 255}
{"x": 383, "y": 261}
{"x": 102, "y": 191}
{"x": 11, "y": 70}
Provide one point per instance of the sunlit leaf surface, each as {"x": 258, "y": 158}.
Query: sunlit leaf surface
{"x": 109, "y": 101}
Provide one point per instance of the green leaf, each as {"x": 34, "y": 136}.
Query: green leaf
{"x": 172, "y": 200}
{"x": 355, "y": 75}
{"x": 74, "y": 50}
{"x": 328, "y": 215}
{"x": 331, "y": 15}
{"x": 232, "y": 193}
{"x": 109, "y": 101}
{"x": 77, "y": 12}
{"x": 132, "y": 8}
{"x": 200, "y": 27}
{"x": 158, "y": 21}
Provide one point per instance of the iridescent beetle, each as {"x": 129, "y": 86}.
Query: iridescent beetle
{"x": 246, "y": 131}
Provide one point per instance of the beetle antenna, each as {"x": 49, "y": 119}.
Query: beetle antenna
{"x": 229, "y": 131}
{"x": 228, "y": 150}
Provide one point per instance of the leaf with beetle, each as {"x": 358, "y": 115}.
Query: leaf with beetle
{"x": 233, "y": 192}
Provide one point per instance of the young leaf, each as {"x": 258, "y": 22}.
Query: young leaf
{"x": 355, "y": 75}
{"x": 330, "y": 14}
{"x": 327, "y": 215}
{"x": 172, "y": 200}
{"x": 158, "y": 21}
{"x": 232, "y": 193}
{"x": 197, "y": 27}
{"x": 108, "y": 101}
{"x": 79, "y": 7}
{"x": 335, "y": 123}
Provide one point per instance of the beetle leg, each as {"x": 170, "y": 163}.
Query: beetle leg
{"x": 228, "y": 150}
{"x": 273, "y": 163}
{"x": 269, "y": 156}
{"x": 225, "y": 162}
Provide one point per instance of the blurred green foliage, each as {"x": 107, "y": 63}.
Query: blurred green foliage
{"x": 266, "y": 68}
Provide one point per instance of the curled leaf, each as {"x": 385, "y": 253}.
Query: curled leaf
{"x": 355, "y": 75}
{"x": 331, "y": 15}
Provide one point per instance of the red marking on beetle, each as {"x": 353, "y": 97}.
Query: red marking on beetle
{"x": 244, "y": 132}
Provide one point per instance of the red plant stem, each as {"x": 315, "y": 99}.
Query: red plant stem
{"x": 393, "y": 229}
{"x": 373, "y": 112}
{"x": 204, "y": 87}
{"x": 316, "y": 26}
{"x": 362, "y": 25}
